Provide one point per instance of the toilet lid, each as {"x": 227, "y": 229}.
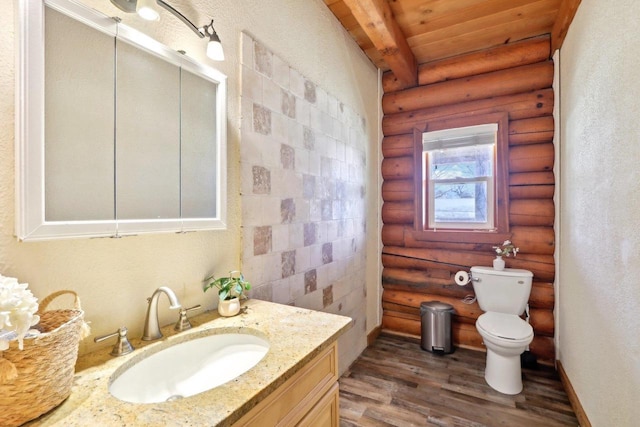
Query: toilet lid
{"x": 507, "y": 326}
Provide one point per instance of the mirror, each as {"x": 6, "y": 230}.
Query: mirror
{"x": 116, "y": 133}
{"x": 79, "y": 72}
{"x": 198, "y": 143}
{"x": 147, "y": 135}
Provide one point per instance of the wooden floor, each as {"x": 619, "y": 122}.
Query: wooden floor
{"x": 396, "y": 383}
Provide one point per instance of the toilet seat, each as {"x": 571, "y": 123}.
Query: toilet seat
{"x": 505, "y": 326}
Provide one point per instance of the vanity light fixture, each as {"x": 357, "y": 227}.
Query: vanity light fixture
{"x": 147, "y": 9}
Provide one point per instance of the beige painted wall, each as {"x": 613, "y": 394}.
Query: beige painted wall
{"x": 115, "y": 276}
{"x": 600, "y": 200}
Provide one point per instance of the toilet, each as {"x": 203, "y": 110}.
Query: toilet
{"x": 503, "y": 296}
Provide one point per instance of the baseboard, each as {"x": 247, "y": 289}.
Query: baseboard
{"x": 415, "y": 338}
{"x": 375, "y": 333}
{"x": 573, "y": 397}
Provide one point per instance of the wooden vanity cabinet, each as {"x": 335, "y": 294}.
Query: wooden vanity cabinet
{"x": 308, "y": 398}
{"x": 326, "y": 412}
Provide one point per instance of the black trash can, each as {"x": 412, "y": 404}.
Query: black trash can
{"x": 435, "y": 327}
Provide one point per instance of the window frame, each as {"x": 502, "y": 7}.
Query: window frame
{"x": 429, "y": 187}
{"x": 500, "y": 231}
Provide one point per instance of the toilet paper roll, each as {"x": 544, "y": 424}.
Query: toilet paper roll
{"x": 462, "y": 278}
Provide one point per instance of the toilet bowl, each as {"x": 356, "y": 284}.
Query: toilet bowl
{"x": 505, "y": 336}
{"x": 503, "y": 296}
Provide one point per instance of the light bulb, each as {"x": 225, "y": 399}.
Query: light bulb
{"x": 146, "y": 9}
{"x": 214, "y": 50}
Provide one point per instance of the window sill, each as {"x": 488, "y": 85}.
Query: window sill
{"x": 458, "y": 236}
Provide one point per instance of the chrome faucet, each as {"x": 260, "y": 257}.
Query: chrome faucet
{"x": 122, "y": 346}
{"x": 151, "y": 324}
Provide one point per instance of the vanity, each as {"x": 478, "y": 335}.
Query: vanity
{"x": 296, "y": 383}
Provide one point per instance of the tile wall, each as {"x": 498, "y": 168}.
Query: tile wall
{"x": 303, "y": 167}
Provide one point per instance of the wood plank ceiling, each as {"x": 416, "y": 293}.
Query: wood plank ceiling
{"x": 398, "y": 35}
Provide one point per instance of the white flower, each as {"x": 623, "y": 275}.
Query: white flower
{"x": 506, "y": 249}
{"x": 17, "y": 310}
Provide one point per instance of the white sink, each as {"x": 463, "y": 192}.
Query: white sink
{"x": 188, "y": 368}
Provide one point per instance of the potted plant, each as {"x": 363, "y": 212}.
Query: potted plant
{"x": 231, "y": 289}
{"x": 506, "y": 249}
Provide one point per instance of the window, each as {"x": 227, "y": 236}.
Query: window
{"x": 462, "y": 180}
{"x": 458, "y": 165}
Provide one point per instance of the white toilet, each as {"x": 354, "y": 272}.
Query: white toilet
{"x": 503, "y": 296}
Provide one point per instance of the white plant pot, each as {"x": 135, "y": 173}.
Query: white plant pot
{"x": 498, "y": 263}
{"x": 229, "y": 307}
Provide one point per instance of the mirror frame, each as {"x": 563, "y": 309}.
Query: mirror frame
{"x": 30, "y": 144}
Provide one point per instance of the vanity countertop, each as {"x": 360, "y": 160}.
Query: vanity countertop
{"x": 295, "y": 335}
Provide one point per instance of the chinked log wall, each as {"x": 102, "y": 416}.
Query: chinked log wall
{"x": 516, "y": 79}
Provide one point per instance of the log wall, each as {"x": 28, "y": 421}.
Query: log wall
{"x": 516, "y": 79}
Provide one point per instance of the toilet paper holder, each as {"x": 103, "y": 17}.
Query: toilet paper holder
{"x": 463, "y": 278}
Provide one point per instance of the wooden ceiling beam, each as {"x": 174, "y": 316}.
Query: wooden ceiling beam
{"x": 567, "y": 11}
{"x": 376, "y": 19}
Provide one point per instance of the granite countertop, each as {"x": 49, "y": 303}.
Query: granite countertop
{"x": 295, "y": 335}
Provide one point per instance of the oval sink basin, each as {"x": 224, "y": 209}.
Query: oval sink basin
{"x": 189, "y": 367}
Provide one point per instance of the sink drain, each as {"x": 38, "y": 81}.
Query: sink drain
{"x": 174, "y": 397}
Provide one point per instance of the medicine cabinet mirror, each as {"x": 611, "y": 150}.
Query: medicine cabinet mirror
{"x": 116, "y": 133}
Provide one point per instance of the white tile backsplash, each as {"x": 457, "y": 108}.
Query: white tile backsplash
{"x": 295, "y": 132}
{"x": 281, "y": 72}
{"x": 251, "y": 84}
{"x": 296, "y": 83}
{"x": 271, "y": 96}
{"x": 247, "y": 50}
{"x": 281, "y": 238}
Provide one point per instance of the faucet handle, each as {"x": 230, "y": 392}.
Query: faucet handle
{"x": 183, "y": 322}
{"x": 122, "y": 346}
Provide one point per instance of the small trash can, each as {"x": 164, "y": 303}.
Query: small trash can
{"x": 435, "y": 327}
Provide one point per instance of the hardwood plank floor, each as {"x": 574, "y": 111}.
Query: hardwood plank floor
{"x": 396, "y": 383}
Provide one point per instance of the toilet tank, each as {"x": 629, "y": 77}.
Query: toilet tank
{"x": 502, "y": 291}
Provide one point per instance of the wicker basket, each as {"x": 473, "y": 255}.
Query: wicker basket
{"x": 46, "y": 365}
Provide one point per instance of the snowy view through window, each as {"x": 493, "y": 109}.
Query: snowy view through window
{"x": 461, "y": 181}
